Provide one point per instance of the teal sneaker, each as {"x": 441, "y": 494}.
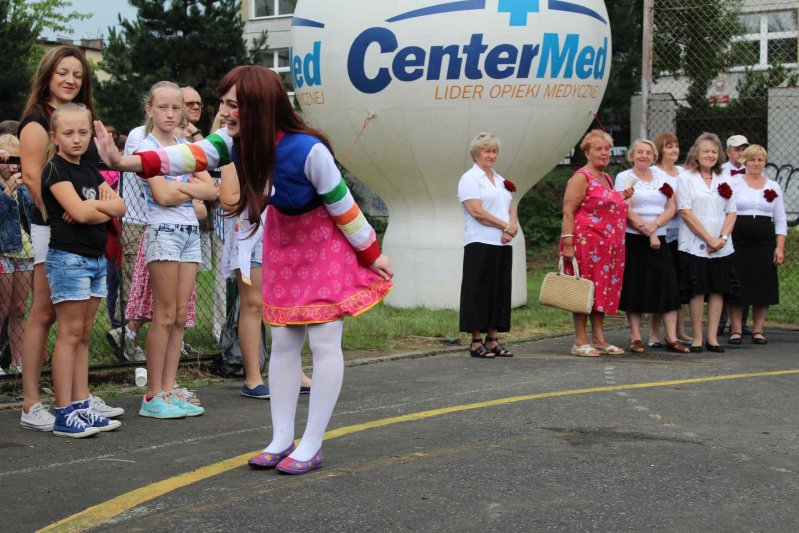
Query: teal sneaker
{"x": 160, "y": 407}
{"x": 180, "y": 401}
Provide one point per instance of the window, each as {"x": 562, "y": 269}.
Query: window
{"x": 273, "y": 8}
{"x": 279, "y": 61}
{"x": 768, "y": 38}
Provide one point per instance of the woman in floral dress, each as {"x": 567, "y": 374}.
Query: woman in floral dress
{"x": 594, "y": 218}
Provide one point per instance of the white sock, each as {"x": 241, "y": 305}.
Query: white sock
{"x": 130, "y": 335}
{"x": 285, "y": 374}
{"x": 328, "y": 371}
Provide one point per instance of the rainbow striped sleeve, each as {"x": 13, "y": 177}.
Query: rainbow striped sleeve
{"x": 212, "y": 152}
{"x": 352, "y": 223}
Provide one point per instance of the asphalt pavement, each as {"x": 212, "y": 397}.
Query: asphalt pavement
{"x": 543, "y": 441}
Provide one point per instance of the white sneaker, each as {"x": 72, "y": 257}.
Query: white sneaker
{"x": 102, "y": 409}
{"x": 139, "y": 355}
{"x": 187, "y": 395}
{"x": 133, "y": 352}
{"x": 37, "y": 419}
{"x": 115, "y": 337}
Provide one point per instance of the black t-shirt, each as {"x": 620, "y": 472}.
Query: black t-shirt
{"x": 87, "y": 240}
{"x": 91, "y": 156}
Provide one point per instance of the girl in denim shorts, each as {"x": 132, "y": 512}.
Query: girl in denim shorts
{"x": 172, "y": 244}
{"x": 79, "y": 204}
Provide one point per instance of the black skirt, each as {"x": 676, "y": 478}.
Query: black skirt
{"x": 650, "y": 279}
{"x": 754, "y": 241}
{"x": 700, "y": 275}
{"x": 486, "y": 287}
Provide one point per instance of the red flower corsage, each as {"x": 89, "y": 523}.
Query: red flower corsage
{"x": 770, "y": 195}
{"x": 725, "y": 191}
{"x": 667, "y": 191}
{"x": 510, "y": 185}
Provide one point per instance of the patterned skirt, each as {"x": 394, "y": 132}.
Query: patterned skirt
{"x": 140, "y": 299}
{"x": 311, "y": 274}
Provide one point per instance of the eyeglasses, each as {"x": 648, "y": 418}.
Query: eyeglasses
{"x": 192, "y": 104}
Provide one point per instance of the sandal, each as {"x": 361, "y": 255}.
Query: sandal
{"x": 735, "y": 338}
{"x": 677, "y": 347}
{"x": 637, "y": 346}
{"x": 498, "y": 349}
{"x": 586, "y": 350}
{"x": 759, "y": 338}
{"x": 609, "y": 350}
{"x": 481, "y": 351}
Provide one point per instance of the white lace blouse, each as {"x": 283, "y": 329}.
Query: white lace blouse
{"x": 709, "y": 207}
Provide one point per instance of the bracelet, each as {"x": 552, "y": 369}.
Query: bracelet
{"x": 566, "y": 235}
{"x": 193, "y": 135}
{"x": 506, "y": 229}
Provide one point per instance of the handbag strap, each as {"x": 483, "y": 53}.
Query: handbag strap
{"x": 574, "y": 266}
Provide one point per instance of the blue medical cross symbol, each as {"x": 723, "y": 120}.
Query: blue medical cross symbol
{"x": 518, "y": 10}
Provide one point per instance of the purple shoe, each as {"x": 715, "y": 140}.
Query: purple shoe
{"x": 289, "y": 465}
{"x": 269, "y": 459}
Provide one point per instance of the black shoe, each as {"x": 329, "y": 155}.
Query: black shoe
{"x": 714, "y": 348}
{"x": 759, "y": 338}
{"x": 697, "y": 349}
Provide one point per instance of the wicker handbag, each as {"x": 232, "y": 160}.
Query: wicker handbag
{"x": 570, "y": 293}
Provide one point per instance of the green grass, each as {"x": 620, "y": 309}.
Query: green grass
{"x": 385, "y": 328}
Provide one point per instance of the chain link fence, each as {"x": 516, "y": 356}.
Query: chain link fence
{"x": 109, "y": 344}
{"x": 731, "y": 67}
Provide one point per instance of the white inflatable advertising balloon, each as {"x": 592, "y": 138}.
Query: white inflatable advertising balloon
{"x": 401, "y": 88}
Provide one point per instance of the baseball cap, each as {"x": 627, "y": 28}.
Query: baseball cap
{"x": 737, "y": 140}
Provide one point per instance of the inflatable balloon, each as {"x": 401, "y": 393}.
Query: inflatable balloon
{"x": 401, "y": 88}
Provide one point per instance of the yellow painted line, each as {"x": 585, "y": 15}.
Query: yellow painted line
{"x": 101, "y": 513}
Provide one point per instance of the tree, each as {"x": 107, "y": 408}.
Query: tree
{"x": 21, "y": 25}
{"x": 189, "y": 42}
{"x": 626, "y": 19}
{"x": 692, "y": 39}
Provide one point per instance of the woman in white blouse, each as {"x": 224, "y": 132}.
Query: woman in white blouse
{"x": 759, "y": 235}
{"x": 668, "y": 153}
{"x": 650, "y": 279}
{"x": 707, "y": 207}
{"x": 489, "y": 227}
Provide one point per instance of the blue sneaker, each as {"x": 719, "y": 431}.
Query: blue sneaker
{"x": 181, "y": 402}
{"x": 261, "y": 391}
{"x": 90, "y": 416}
{"x": 160, "y": 407}
{"x": 68, "y": 423}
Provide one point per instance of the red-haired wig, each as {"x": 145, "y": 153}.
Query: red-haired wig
{"x": 264, "y": 110}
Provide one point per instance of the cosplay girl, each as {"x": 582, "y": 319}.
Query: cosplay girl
{"x": 321, "y": 260}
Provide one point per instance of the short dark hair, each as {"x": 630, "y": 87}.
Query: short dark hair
{"x": 9, "y": 127}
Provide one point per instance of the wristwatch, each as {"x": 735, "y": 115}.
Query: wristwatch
{"x": 724, "y": 237}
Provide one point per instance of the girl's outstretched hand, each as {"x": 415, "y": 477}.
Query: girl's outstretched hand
{"x": 382, "y": 267}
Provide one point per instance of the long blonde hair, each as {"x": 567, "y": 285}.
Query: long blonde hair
{"x": 149, "y": 124}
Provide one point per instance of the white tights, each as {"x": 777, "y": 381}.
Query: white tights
{"x": 285, "y": 376}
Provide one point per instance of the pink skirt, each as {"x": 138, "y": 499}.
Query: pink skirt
{"x": 311, "y": 274}
{"x": 140, "y": 299}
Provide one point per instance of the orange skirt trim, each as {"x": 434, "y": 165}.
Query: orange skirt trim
{"x": 353, "y": 305}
